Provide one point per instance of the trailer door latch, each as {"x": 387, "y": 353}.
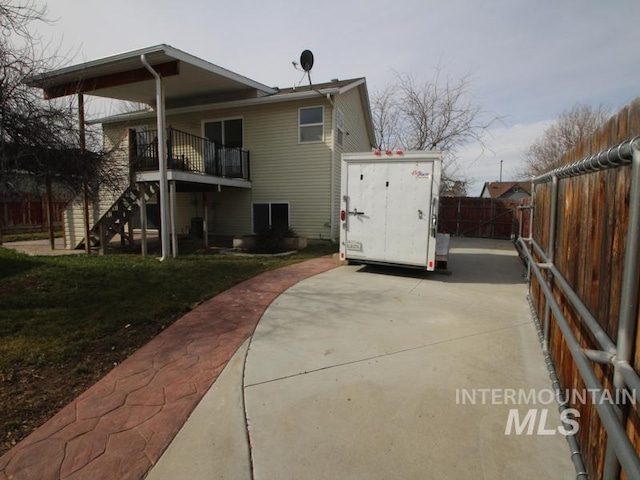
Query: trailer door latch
{"x": 356, "y": 212}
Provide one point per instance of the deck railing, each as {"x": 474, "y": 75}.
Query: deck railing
{"x": 188, "y": 153}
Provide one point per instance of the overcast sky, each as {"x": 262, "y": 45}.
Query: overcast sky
{"x": 528, "y": 60}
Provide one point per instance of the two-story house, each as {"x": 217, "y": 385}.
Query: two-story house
{"x": 240, "y": 156}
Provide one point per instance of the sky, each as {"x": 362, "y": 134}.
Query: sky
{"x": 527, "y": 61}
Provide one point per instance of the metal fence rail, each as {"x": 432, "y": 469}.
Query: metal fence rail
{"x": 620, "y": 450}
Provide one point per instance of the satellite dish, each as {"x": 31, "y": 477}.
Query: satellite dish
{"x": 306, "y": 60}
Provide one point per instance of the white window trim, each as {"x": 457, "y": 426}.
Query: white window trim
{"x": 300, "y": 142}
{"x": 270, "y": 203}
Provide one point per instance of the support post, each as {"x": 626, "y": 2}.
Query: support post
{"x": 174, "y": 209}
{"x": 628, "y": 304}
{"x": 143, "y": 219}
{"x": 162, "y": 159}
{"x": 52, "y": 233}
{"x": 553, "y": 215}
{"x": 532, "y": 204}
{"x": 85, "y": 186}
{"x": 205, "y": 217}
{"x": 103, "y": 239}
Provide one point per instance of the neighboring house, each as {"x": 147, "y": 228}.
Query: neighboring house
{"x": 241, "y": 156}
{"x": 506, "y": 190}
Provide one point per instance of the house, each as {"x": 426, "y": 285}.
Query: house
{"x": 506, "y": 190}
{"x": 240, "y": 156}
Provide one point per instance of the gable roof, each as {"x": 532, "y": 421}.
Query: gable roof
{"x": 498, "y": 189}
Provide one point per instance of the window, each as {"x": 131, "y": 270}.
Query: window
{"x": 225, "y": 132}
{"x": 340, "y": 127}
{"x": 311, "y": 124}
{"x": 270, "y": 215}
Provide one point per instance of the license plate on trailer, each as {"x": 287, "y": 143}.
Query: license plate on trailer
{"x": 355, "y": 246}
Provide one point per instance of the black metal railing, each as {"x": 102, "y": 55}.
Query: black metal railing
{"x": 188, "y": 153}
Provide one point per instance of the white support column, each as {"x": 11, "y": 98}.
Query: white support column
{"x": 174, "y": 209}
{"x": 143, "y": 218}
{"x": 162, "y": 158}
{"x": 205, "y": 217}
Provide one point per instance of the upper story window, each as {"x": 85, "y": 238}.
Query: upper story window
{"x": 311, "y": 124}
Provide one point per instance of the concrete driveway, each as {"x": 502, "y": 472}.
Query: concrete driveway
{"x": 378, "y": 373}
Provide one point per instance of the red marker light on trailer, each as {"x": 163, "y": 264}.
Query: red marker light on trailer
{"x": 388, "y": 152}
{"x": 342, "y": 256}
{"x": 377, "y": 153}
{"x": 343, "y": 215}
{"x": 399, "y": 152}
{"x": 430, "y": 264}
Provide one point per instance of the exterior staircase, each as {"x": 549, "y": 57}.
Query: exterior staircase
{"x": 114, "y": 221}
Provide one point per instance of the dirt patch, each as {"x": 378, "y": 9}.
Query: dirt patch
{"x": 30, "y": 396}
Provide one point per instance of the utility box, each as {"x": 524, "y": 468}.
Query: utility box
{"x": 389, "y": 209}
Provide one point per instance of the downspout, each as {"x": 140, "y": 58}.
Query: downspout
{"x": 332, "y": 202}
{"x": 162, "y": 159}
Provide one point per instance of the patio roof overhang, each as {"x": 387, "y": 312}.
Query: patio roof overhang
{"x": 124, "y": 77}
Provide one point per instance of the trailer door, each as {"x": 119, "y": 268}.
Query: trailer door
{"x": 408, "y": 194}
{"x": 366, "y": 211}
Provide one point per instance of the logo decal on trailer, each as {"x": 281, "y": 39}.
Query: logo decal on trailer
{"x": 421, "y": 174}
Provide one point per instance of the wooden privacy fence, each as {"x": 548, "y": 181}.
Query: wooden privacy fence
{"x": 584, "y": 288}
{"x": 28, "y": 213}
{"x": 483, "y": 217}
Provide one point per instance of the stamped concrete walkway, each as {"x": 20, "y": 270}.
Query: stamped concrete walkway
{"x": 119, "y": 428}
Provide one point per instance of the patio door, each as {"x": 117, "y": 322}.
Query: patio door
{"x": 227, "y": 135}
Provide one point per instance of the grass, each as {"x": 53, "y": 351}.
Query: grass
{"x": 21, "y": 237}
{"x": 65, "y": 321}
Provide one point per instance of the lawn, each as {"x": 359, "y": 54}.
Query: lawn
{"x": 66, "y": 321}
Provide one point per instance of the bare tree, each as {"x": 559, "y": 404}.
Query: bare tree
{"x": 40, "y": 140}
{"x": 570, "y": 128}
{"x": 437, "y": 114}
{"x": 30, "y": 128}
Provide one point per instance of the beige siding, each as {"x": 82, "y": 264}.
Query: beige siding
{"x": 282, "y": 169}
{"x": 285, "y": 171}
{"x": 116, "y": 141}
{"x": 186, "y": 209}
{"x": 355, "y": 139}
{"x": 230, "y": 211}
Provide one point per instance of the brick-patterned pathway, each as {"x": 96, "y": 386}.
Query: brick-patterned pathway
{"x": 120, "y": 427}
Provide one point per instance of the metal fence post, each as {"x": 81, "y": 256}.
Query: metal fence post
{"x": 628, "y": 303}
{"x": 553, "y": 215}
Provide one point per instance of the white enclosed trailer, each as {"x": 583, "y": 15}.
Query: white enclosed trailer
{"x": 389, "y": 209}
